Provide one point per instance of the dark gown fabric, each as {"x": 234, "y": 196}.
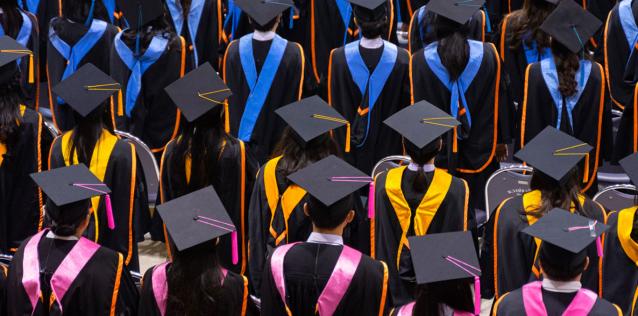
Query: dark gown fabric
{"x": 508, "y": 256}
{"x": 492, "y": 122}
{"x": 123, "y": 176}
{"x": 392, "y": 216}
{"x": 620, "y": 263}
{"x": 20, "y": 198}
{"x": 307, "y": 268}
{"x": 98, "y": 55}
{"x": 233, "y": 182}
{"x": 498, "y": 9}
{"x": 46, "y": 10}
{"x": 234, "y": 295}
{"x": 591, "y": 116}
{"x": 286, "y": 88}
{"x": 103, "y": 287}
{"x": 154, "y": 117}
{"x": 511, "y": 304}
{"x": 421, "y": 31}
{"x": 344, "y": 95}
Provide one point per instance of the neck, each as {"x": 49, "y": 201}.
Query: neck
{"x": 263, "y": 36}
{"x": 371, "y": 42}
{"x": 333, "y": 231}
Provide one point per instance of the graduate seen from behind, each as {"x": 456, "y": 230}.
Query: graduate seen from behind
{"x": 417, "y": 199}
{"x": 195, "y": 282}
{"x": 203, "y": 155}
{"x": 447, "y": 274}
{"x": 114, "y": 161}
{"x": 509, "y": 257}
{"x": 563, "y": 258}
{"x": 322, "y": 275}
{"x": 57, "y": 271}
{"x": 368, "y": 82}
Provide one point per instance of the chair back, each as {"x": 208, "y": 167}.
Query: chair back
{"x": 390, "y": 162}
{"x": 505, "y": 183}
{"x": 150, "y": 169}
{"x": 617, "y": 197}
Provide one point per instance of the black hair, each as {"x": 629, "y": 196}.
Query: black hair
{"x": 526, "y": 23}
{"x": 456, "y": 294}
{"x": 88, "y": 130}
{"x": 194, "y": 281}
{"x": 159, "y": 26}
{"x": 421, "y": 157}
{"x": 561, "y": 265}
{"x": 555, "y": 194}
{"x": 78, "y": 10}
{"x": 329, "y": 217}
{"x": 10, "y": 99}
{"x": 66, "y": 219}
{"x": 371, "y": 28}
{"x": 567, "y": 64}
{"x": 11, "y": 17}
{"x": 266, "y": 27}
{"x": 296, "y": 155}
{"x": 453, "y": 48}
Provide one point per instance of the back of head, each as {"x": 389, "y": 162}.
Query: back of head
{"x": 79, "y": 10}
{"x": 561, "y": 265}
{"x": 329, "y": 217}
{"x": 557, "y": 195}
{"x": 453, "y": 48}
{"x": 525, "y": 23}
{"x": 455, "y": 293}
{"x": 88, "y": 130}
{"x": 296, "y": 155}
{"x": 11, "y": 18}
{"x": 421, "y": 157}
{"x": 10, "y": 100}
{"x": 66, "y": 219}
{"x": 372, "y": 23}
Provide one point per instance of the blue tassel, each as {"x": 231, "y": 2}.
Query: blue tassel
{"x": 488, "y": 24}
{"x": 292, "y": 18}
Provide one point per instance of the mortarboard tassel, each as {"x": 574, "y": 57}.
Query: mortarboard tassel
{"x": 234, "y": 246}
{"x": 477, "y": 296}
{"x": 586, "y": 175}
{"x": 109, "y": 212}
{"x": 31, "y": 69}
{"x": 347, "y": 149}
{"x": 455, "y": 142}
{"x": 371, "y": 202}
{"x": 120, "y": 103}
{"x": 599, "y": 247}
{"x": 338, "y": 120}
{"x": 582, "y": 70}
{"x": 226, "y": 118}
{"x": 477, "y": 281}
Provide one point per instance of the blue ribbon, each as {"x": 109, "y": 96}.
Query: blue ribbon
{"x": 24, "y": 34}
{"x": 458, "y": 87}
{"x": 259, "y": 85}
{"x": 32, "y": 5}
{"x": 371, "y": 83}
{"x": 345, "y": 10}
{"x": 109, "y": 5}
{"x": 532, "y": 55}
{"x": 550, "y": 76}
{"x": 89, "y": 17}
{"x": 232, "y": 17}
{"x": 628, "y": 23}
{"x": 138, "y": 65}
{"x": 398, "y": 6}
{"x": 423, "y": 29}
{"x": 194, "y": 16}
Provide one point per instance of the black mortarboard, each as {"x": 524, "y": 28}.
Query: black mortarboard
{"x": 198, "y": 92}
{"x": 330, "y": 180}
{"x": 10, "y": 51}
{"x": 555, "y": 153}
{"x": 459, "y": 11}
{"x": 263, "y": 11}
{"x": 421, "y": 123}
{"x": 195, "y": 218}
{"x": 86, "y": 89}
{"x": 630, "y": 165}
{"x": 369, "y": 10}
{"x": 140, "y": 12}
{"x": 571, "y": 25}
{"x": 312, "y": 117}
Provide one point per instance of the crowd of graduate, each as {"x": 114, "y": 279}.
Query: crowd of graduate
{"x": 267, "y": 119}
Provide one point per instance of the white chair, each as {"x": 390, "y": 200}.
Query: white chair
{"x": 617, "y": 197}
{"x": 390, "y": 162}
{"x": 150, "y": 169}
{"x": 504, "y": 183}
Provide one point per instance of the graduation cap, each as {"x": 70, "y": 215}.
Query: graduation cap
{"x": 11, "y": 51}
{"x": 446, "y": 257}
{"x": 263, "y": 11}
{"x": 459, "y": 11}
{"x": 571, "y": 25}
{"x": 139, "y": 12}
{"x": 312, "y": 117}
{"x": 568, "y": 235}
{"x": 421, "y": 123}
{"x": 87, "y": 89}
{"x": 630, "y": 165}
{"x": 196, "y": 218}
{"x": 68, "y": 185}
{"x": 198, "y": 92}
{"x": 369, "y": 10}
{"x": 555, "y": 153}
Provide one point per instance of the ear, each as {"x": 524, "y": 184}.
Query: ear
{"x": 305, "y": 209}
{"x": 350, "y": 216}
{"x": 586, "y": 264}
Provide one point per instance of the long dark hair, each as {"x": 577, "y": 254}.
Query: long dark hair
{"x": 453, "y": 48}
{"x": 194, "y": 281}
{"x": 525, "y": 24}
{"x": 78, "y": 10}
{"x": 456, "y": 294}
{"x": 11, "y": 17}
{"x": 567, "y": 64}
{"x": 10, "y": 99}
{"x": 87, "y": 132}
{"x": 558, "y": 195}
{"x": 295, "y": 156}
{"x": 421, "y": 157}
{"x": 159, "y": 26}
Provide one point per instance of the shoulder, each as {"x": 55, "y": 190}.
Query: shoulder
{"x": 418, "y": 58}
{"x": 235, "y": 281}
{"x": 233, "y": 49}
{"x": 233, "y": 148}
{"x": 56, "y": 21}
{"x": 604, "y": 307}
{"x": 375, "y": 269}
{"x": 509, "y": 209}
{"x": 510, "y": 303}
{"x": 403, "y": 56}
{"x": 595, "y": 209}
{"x": 107, "y": 258}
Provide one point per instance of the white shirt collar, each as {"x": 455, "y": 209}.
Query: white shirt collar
{"x": 263, "y": 36}
{"x": 428, "y": 167}
{"x": 561, "y": 287}
{"x": 50, "y": 234}
{"x": 371, "y": 43}
{"x": 319, "y": 238}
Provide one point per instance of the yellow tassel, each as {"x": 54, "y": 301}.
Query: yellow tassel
{"x": 31, "y": 70}
{"x": 347, "y": 137}
{"x": 226, "y": 118}
{"x": 120, "y": 103}
{"x": 586, "y": 175}
{"x": 455, "y": 142}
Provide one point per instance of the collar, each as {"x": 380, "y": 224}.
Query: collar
{"x": 319, "y": 238}
{"x": 371, "y": 43}
{"x": 50, "y": 234}
{"x": 561, "y": 287}
{"x": 263, "y": 36}
{"x": 428, "y": 167}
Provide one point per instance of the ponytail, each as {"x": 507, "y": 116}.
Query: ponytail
{"x": 421, "y": 157}
{"x": 87, "y": 132}
{"x": 453, "y": 48}
{"x": 10, "y": 17}
{"x": 567, "y": 64}
{"x": 10, "y": 99}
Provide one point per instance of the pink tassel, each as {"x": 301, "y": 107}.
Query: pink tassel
{"x": 477, "y": 296}
{"x": 109, "y": 212}
{"x": 234, "y": 248}
{"x": 371, "y": 201}
{"x": 599, "y": 247}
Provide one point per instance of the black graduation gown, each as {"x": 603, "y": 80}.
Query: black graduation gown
{"x": 154, "y": 117}
{"x": 421, "y": 31}
{"x": 492, "y": 118}
{"x": 103, "y": 287}
{"x": 208, "y": 31}
{"x": 286, "y": 88}
{"x": 396, "y": 208}
{"x": 511, "y": 304}
{"x": 591, "y": 116}
{"x": 617, "y": 51}
{"x": 98, "y": 55}
{"x": 298, "y": 33}
{"x": 498, "y": 9}
{"x": 45, "y": 11}
{"x": 371, "y": 140}
{"x": 307, "y": 268}
{"x": 236, "y": 177}
{"x": 122, "y": 174}
{"x": 235, "y": 295}
{"x": 20, "y": 198}
{"x": 620, "y": 263}
{"x": 508, "y": 255}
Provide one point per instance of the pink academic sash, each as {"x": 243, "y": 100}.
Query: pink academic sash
{"x": 582, "y": 304}
{"x": 63, "y": 276}
{"x": 337, "y": 285}
{"x": 160, "y": 286}
{"x": 406, "y": 310}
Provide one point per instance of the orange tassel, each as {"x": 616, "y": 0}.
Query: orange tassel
{"x": 347, "y": 137}
{"x": 455, "y": 143}
{"x": 226, "y": 118}
{"x": 120, "y": 103}
{"x": 586, "y": 175}
{"x": 31, "y": 70}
